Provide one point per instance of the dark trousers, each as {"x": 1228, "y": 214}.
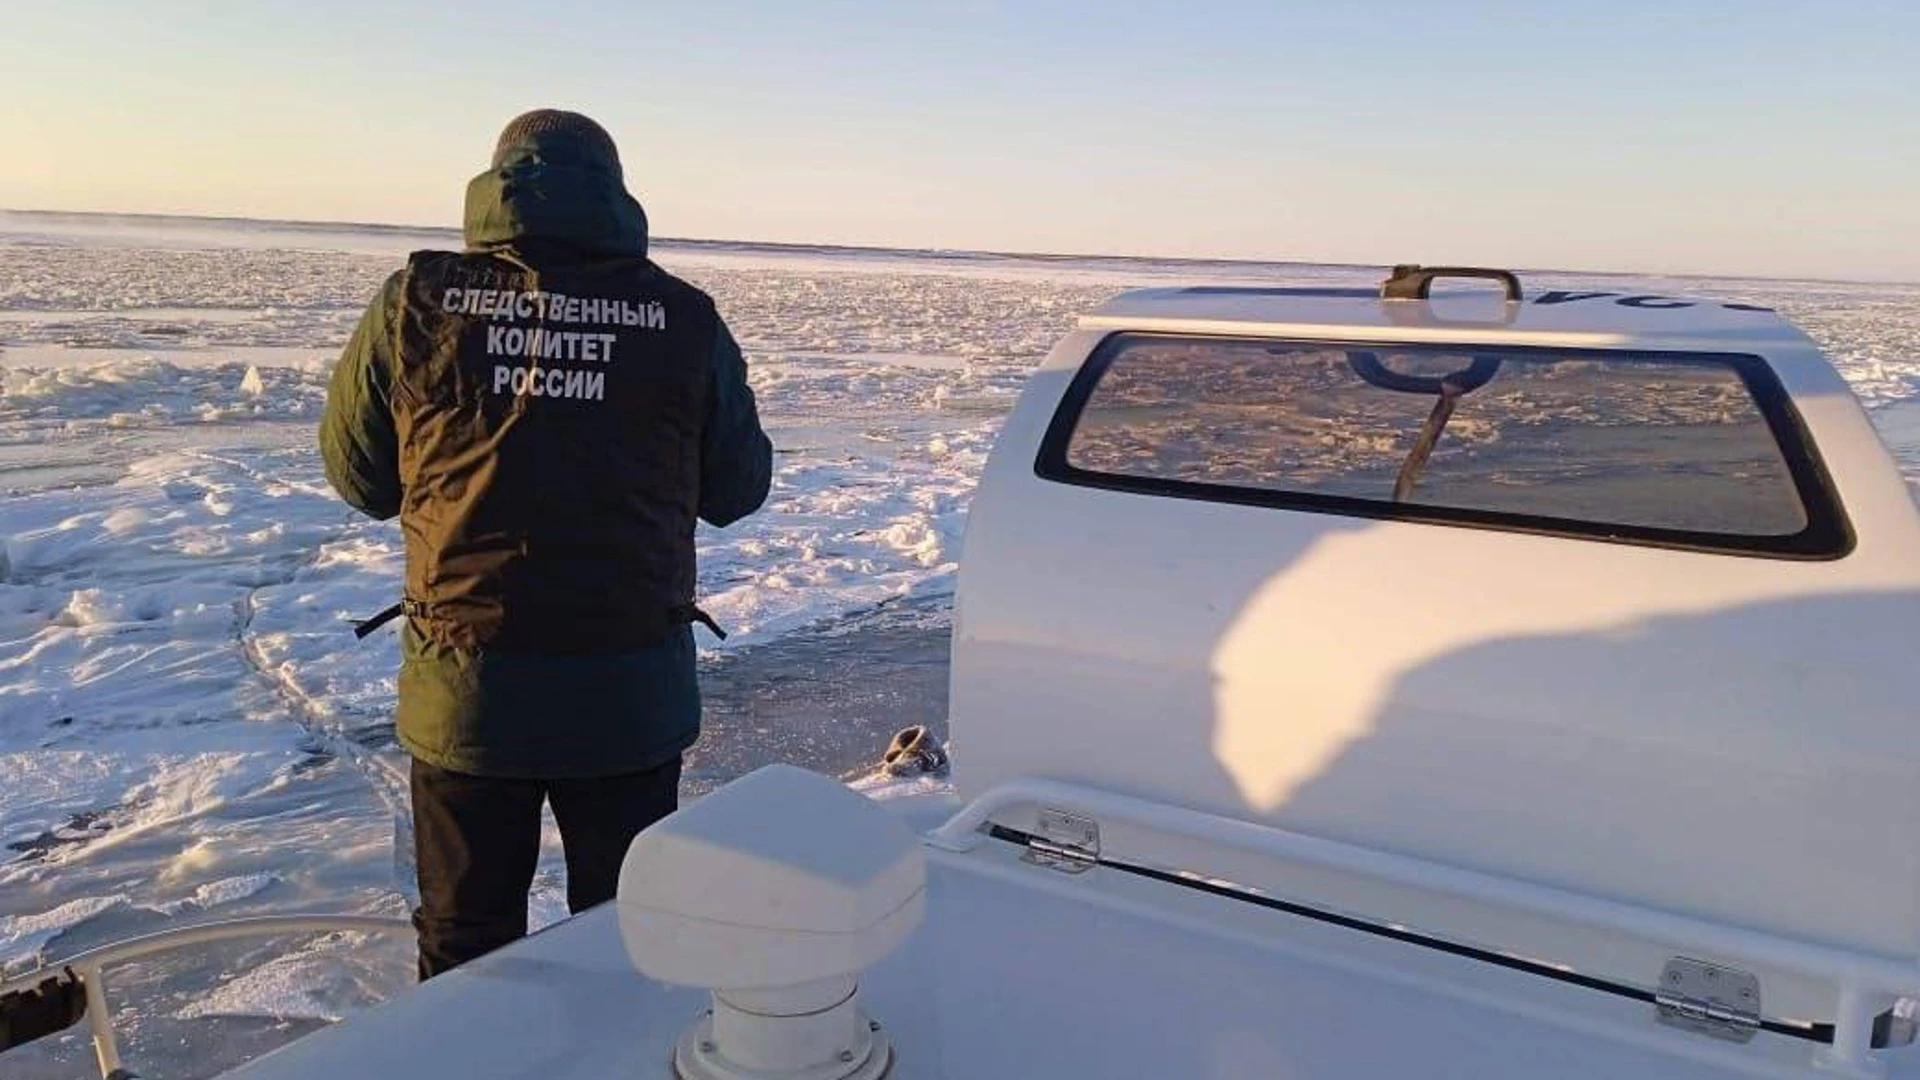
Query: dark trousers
{"x": 477, "y": 838}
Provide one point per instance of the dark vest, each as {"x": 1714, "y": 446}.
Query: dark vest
{"x": 550, "y": 423}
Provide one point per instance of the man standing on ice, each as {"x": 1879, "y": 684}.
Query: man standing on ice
{"x": 547, "y": 413}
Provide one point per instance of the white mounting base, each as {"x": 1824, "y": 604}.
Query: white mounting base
{"x": 775, "y": 1035}
{"x": 698, "y": 1057}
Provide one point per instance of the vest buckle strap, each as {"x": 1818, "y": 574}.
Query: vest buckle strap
{"x": 413, "y": 609}
{"x": 691, "y": 613}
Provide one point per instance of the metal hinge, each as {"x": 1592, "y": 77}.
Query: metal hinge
{"x": 1719, "y": 1001}
{"x": 1062, "y": 841}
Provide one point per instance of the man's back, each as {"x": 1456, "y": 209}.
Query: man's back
{"x": 550, "y": 416}
{"x": 548, "y": 413}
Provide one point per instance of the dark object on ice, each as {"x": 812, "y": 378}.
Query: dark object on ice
{"x": 914, "y": 750}
{"x": 56, "y": 1004}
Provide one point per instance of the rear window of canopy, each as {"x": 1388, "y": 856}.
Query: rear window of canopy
{"x": 1699, "y": 451}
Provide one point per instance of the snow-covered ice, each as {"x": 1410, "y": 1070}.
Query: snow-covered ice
{"x": 188, "y": 728}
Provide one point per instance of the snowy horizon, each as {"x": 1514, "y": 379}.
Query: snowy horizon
{"x": 102, "y": 221}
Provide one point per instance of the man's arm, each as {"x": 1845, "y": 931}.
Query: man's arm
{"x": 358, "y": 441}
{"x": 736, "y": 458}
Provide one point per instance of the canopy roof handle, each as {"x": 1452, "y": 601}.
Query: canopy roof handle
{"x": 1411, "y": 281}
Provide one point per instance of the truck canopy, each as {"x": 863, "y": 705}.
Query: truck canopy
{"x": 1612, "y": 594}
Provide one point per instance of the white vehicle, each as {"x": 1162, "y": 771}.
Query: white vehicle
{"x": 1345, "y": 684}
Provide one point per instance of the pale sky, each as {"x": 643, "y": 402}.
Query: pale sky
{"x": 1741, "y": 137}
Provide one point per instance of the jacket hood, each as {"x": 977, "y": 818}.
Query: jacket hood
{"x": 550, "y": 189}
